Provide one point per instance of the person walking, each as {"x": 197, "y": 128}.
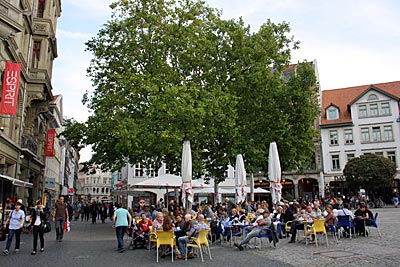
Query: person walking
{"x": 395, "y": 198}
{"x": 38, "y": 219}
{"x": 16, "y": 222}
{"x": 60, "y": 214}
{"x": 120, "y": 221}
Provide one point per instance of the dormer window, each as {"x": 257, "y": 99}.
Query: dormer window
{"x": 332, "y": 113}
{"x": 372, "y": 97}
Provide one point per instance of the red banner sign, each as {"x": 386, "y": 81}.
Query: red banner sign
{"x": 9, "y": 96}
{"x": 50, "y": 142}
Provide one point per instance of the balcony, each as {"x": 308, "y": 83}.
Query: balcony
{"x": 30, "y": 143}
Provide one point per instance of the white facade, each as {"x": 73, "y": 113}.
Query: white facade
{"x": 374, "y": 127}
{"x": 97, "y": 185}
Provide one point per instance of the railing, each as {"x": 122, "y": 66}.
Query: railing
{"x": 30, "y": 143}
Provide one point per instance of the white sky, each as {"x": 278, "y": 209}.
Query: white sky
{"x": 354, "y": 42}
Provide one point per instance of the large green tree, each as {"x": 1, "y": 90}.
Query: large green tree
{"x": 370, "y": 171}
{"x": 165, "y": 71}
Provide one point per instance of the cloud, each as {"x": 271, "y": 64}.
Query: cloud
{"x": 61, "y": 33}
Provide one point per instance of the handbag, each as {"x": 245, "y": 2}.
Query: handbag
{"x": 46, "y": 227}
{"x": 3, "y": 233}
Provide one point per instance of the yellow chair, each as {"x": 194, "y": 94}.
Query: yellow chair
{"x": 318, "y": 227}
{"x": 152, "y": 237}
{"x": 200, "y": 242}
{"x": 288, "y": 226}
{"x": 166, "y": 238}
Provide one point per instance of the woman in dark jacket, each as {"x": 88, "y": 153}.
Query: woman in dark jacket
{"x": 38, "y": 218}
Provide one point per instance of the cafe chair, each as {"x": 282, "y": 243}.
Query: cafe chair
{"x": 200, "y": 243}
{"x": 265, "y": 234}
{"x": 166, "y": 238}
{"x": 318, "y": 227}
{"x": 152, "y": 237}
{"x": 344, "y": 221}
{"x": 372, "y": 223}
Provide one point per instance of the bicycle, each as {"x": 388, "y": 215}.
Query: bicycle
{"x": 379, "y": 203}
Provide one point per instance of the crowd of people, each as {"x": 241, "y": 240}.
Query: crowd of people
{"x": 257, "y": 216}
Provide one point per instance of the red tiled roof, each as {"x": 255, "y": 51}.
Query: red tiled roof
{"x": 341, "y": 98}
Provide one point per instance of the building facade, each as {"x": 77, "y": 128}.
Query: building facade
{"x": 94, "y": 185}
{"x": 356, "y": 121}
{"x": 28, "y": 37}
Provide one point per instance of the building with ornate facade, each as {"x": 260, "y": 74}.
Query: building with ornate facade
{"x": 28, "y": 37}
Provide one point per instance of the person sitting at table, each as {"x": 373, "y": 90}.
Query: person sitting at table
{"x": 262, "y": 224}
{"x": 242, "y": 215}
{"x": 361, "y": 217}
{"x": 144, "y": 224}
{"x": 201, "y": 223}
{"x": 158, "y": 222}
{"x": 284, "y": 218}
{"x": 279, "y": 216}
{"x": 317, "y": 210}
{"x": 259, "y": 216}
{"x": 166, "y": 226}
{"x": 233, "y": 219}
{"x": 191, "y": 229}
{"x": 330, "y": 218}
{"x": 298, "y": 224}
{"x": 208, "y": 213}
{"x": 234, "y": 216}
{"x": 345, "y": 212}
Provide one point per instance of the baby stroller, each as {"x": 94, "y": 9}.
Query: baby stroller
{"x": 139, "y": 239}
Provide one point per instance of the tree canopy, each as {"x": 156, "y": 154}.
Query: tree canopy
{"x": 165, "y": 71}
{"x": 369, "y": 171}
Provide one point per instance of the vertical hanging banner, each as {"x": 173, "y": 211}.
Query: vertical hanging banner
{"x": 9, "y": 96}
{"x": 50, "y": 142}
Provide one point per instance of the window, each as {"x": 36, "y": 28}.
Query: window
{"x": 376, "y": 134}
{"x": 385, "y": 109}
{"x": 332, "y": 113}
{"x": 364, "y": 134}
{"x": 41, "y": 7}
{"x": 348, "y": 136}
{"x": 335, "y": 162}
{"x": 388, "y": 133}
{"x": 373, "y": 109}
{"x": 102, "y": 190}
{"x": 333, "y": 137}
{"x": 350, "y": 156}
{"x": 392, "y": 156}
{"x": 372, "y": 97}
{"x": 362, "y": 111}
{"x": 35, "y": 54}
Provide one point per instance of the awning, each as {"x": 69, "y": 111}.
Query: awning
{"x": 16, "y": 182}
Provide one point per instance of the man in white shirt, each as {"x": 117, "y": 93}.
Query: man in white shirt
{"x": 345, "y": 212}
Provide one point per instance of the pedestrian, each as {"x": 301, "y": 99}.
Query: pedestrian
{"x": 395, "y": 198}
{"x": 37, "y": 221}
{"x": 120, "y": 221}
{"x": 60, "y": 214}
{"x": 16, "y": 222}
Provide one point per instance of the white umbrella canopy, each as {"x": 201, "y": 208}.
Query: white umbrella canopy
{"x": 274, "y": 173}
{"x": 162, "y": 181}
{"x": 186, "y": 169}
{"x": 240, "y": 179}
{"x": 210, "y": 190}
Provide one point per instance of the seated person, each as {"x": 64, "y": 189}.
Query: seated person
{"x": 287, "y": 217}
{"x": 345, "y": 212}
{"x": 361, "y": 218}
{"x": 144, "y": 224}
{"x": 201, "y": 223}
{"x": 191, "y": 229}
{"x": 330, "y": 218}
{"x": 242, "y": 215}
{"x": 233, "y": 219}
{"x": 208, "y": 213}
{"x": 259, "y": 216}
{"x": 262, "y": 224}
{"x": 158, "y": 222}
{"x": 298, "y": 224}
{"x": 145, "y": 210}
{"x": 279, "y": 216}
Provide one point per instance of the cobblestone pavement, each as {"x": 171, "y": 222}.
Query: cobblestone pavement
{"x": 95, "y": 245}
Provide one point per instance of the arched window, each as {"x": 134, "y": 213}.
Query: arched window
{"x": 372, "y": 97}
{"x": 332, "y": 113}
{"x": 41, "y": 7}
